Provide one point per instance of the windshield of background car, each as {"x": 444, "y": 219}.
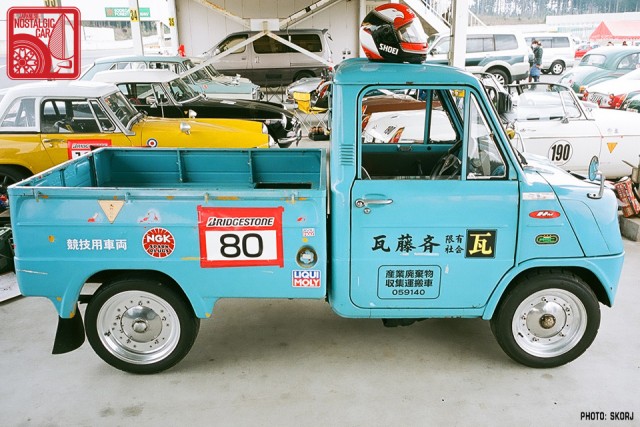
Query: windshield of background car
{"x": 211, "y": 69}
{"x": 119, "y": 106}
{"x": 200, "y": 75}
{"x": 181, "y": 91}
{"x": 593, "y": 60}
{"x": 231, "y": 42}
{"x": 546, "y": 102}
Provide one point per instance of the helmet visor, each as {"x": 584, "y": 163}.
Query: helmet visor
{"x": 412, "y": 37}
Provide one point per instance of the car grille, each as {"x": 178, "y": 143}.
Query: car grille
{"x": 600, "y": 98}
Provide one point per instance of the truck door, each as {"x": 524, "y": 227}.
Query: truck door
{"x": 433, "y": 210}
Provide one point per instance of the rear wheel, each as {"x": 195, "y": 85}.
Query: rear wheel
{"x": 547, "y": 320}
{"x": 10, "y": 175}
{"x": 501, "y": 76}
{"x": 140, "y": 326}
{"x": 557, "y": 67}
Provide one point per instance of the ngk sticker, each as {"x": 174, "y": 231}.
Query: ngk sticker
{"x": 306, "y": 279}
{"x": 158, "y": 242}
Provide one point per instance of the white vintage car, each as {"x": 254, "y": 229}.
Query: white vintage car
{"x": 549, "y": 120}
{"x": 612, "y": 93}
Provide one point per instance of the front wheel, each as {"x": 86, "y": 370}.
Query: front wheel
{"x": 547, "y": 319}
{"x": 140, "y": 326}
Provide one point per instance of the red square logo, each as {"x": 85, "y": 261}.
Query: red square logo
{"x": 43, "y": 43}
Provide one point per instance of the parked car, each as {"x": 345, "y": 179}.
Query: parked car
{"x": 548, "y": 119}
{"x": 632, "y": 104}
{"x": 551, "y": 121}
{"x": 204, "y": 79}
{"x": 503, "y": 53}
{"x": 603, "y": 63}
{"x": 612, "y": 93}
{"x": 163, "y": 93}
{"x": 559, "y": 51}
{"x": 269, "y": 62}
{"x": 46, "y": 123}
{"x": 582, "y": 49}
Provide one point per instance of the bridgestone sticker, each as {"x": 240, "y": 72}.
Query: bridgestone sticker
{"x": 240, "y": 237}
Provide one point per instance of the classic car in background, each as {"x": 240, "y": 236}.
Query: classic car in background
{"x": 612, "y": 93}
{"x": 44, "y": 124}
{"x": 551, "y": 121}
{"x": 582, "y": 49}
{"x": 632, "y": 104}
{"x": 204, "y": 79}
{"x": 603, "y": 63}
{"x": 162, "y": 93}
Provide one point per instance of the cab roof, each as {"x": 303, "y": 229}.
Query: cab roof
{"x": 362, "y": 71}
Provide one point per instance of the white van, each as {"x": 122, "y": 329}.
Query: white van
{"x": 503, "y": 53}
{"x": 558, "y": 51}
{"x": 267, "y": 62}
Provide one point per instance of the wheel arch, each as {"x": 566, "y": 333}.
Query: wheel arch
{"x": 510, "y": 281}
{"x": 103, "y": 278}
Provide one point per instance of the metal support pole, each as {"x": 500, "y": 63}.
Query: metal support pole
{"x": 136, "y": 34}
{"x": 173, "y": 26}
{"x": 458, "y": 47}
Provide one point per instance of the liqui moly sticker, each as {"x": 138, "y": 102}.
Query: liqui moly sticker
{"x": 158, "y": 242}
{"x": 240, "y": 237}
{"x": 43, "y": 43}
{"x": 306, "y": 279}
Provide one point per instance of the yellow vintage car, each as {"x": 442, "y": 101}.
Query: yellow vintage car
{"x": 46, "y": 123}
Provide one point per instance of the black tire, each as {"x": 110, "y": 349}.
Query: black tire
{"x": 547, "y": 319}
{"x": 10, "y": 175}
{"x": 303, "y": 74}
{"x": 557, "y": 68}
{"x": 501, "y": 76}
{"x": 140, "y": 325}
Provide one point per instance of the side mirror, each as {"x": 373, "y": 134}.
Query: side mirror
{"x": 594, "y": 173}
{"x": 185, "y": 128}
{"x": 151, "y": 101}
{"x": 192, "y": 114}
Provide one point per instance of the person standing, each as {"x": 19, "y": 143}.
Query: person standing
{"x": 534, "y": 72}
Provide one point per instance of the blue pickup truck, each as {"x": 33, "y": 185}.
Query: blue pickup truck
{"x": 451, "y": 223}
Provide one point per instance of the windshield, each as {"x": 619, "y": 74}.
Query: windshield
{"x": 181, "y": 91}
{"x": 119, "y": 106}
{"x": 547, "y": 102}
{"x": 593, "y": 59}
{"x": 213, "y": 71}
{"x": 199, "y": 75}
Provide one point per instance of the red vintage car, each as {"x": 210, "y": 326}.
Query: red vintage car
{"x": 584, "y": 48}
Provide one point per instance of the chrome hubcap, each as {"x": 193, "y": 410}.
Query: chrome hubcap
{"x": 138, "y": 327}
{"x": 549, "y": 323}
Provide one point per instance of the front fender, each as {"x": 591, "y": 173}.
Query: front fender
{"x": 606, "y": 271}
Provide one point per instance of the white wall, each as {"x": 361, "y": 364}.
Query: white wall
{"x": 200, "y": 27}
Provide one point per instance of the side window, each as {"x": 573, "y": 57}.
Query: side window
{"x": 21, "y": 114}
{"x": 310, "y": 42}
{"x": 231, "y": 42}
{"x": 629, "y": 62}
{"x": 106, "y": 125}
{"x": 443, "y": 45}
{"x": 560, "y": 42}
{"x": 68, "y": 116}
{"x": 474, "y": 44}
{"x": 483, "y": 157}
{"x": 506, "y": 42}
{"x": 266, "y": 44}
{"x": 406, "y": 131}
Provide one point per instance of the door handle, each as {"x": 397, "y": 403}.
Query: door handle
{"x": 51, "y": 141}
{"x": 361, "y": 203}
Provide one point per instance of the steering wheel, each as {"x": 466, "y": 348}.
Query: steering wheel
{"x": 449, "y": 165}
